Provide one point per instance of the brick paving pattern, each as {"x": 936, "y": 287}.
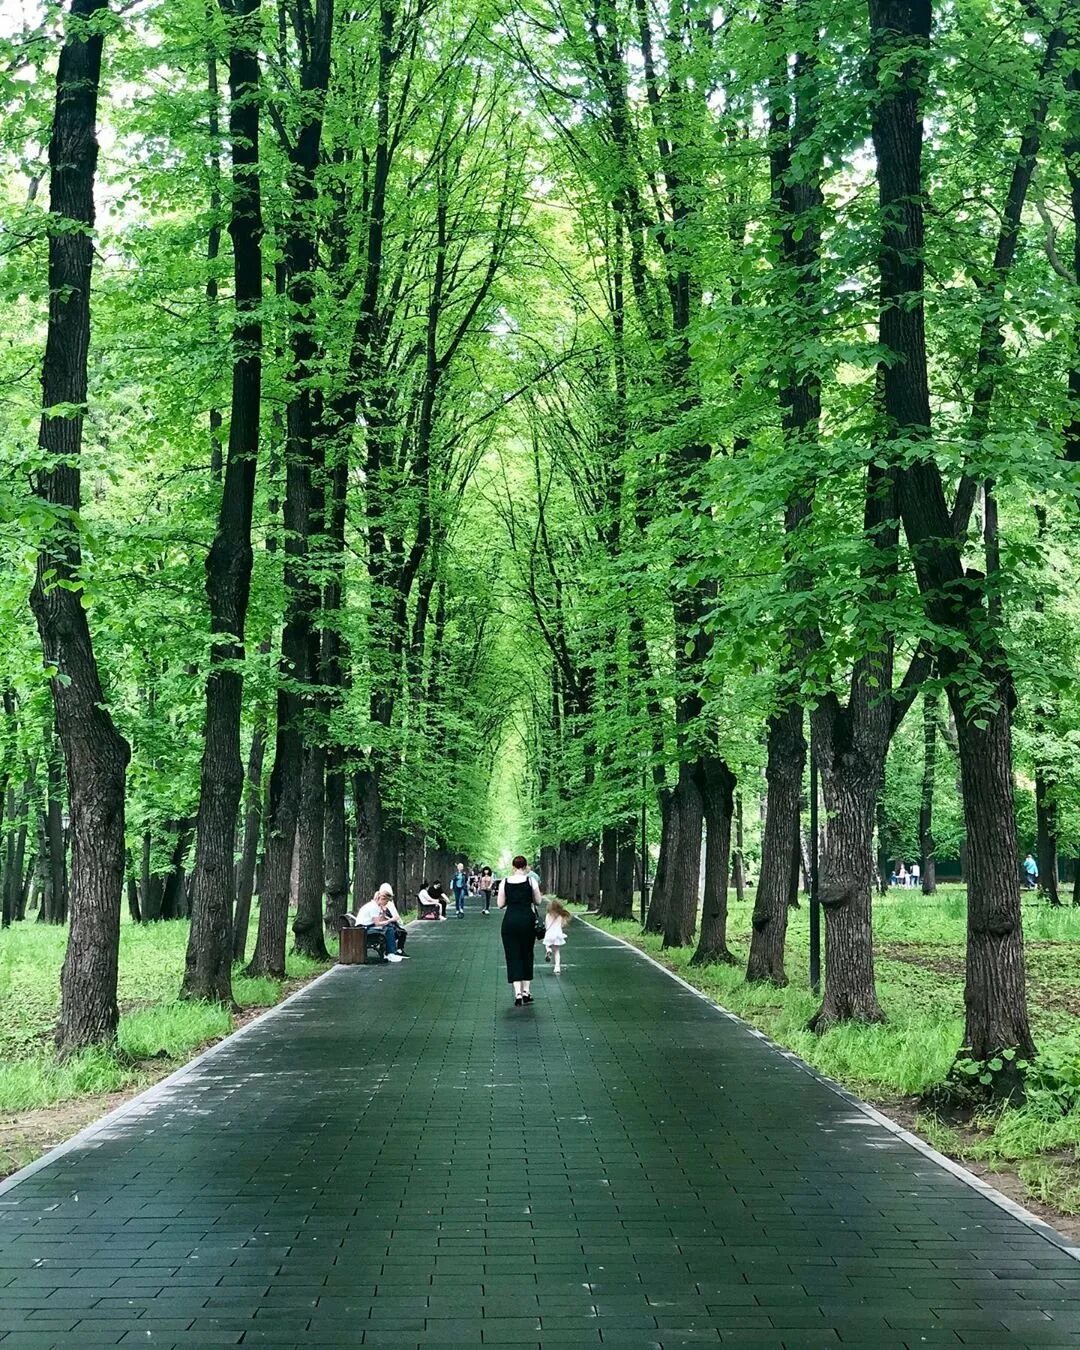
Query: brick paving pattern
{"x": 400, "y": 1158}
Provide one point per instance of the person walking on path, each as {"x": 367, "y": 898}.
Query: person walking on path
{"x": 483, "y": 887}
{"x": 555, "y": 921}
{"x": 1031, "y": 872}
{"x": 916, "y": 875}
{"x": 517, "y": 898}
{"x": 459, "y": 884}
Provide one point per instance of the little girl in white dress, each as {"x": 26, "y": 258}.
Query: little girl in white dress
{"x": 555, "y": 921}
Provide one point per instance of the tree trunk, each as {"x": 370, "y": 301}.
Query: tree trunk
{"x": 786, "y": 756}
{"x": 656, "y": 919}
{"x": 717, "y": 785}
{"x": 308, "y": 924}
{"x": 369, "y": 829}
{"x": 253, "y": 814}
{"x": 927, "y": 846}
{"x": 995, "y": 996}
{"x": 609, "y": 871}
{"x": 208, "y": 962}
{"x": 845, "y": 890}
{"x": 738, "y": 865}
{"x": 625, "y": 866}
{"x": 1046, "y": 848}
{"x": 548, "y": 865}
{"x": 95, "y": 753}
{"x": 955, "y": 601}
{"x": 684, "y": 870}
{"x": 174, "y": 904}
{"x": 336, "y": 837}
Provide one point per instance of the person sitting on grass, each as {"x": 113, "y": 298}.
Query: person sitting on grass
{"x": 376, "y": 917}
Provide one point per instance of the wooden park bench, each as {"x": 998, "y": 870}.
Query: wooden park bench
{"x": 355, "y": 944}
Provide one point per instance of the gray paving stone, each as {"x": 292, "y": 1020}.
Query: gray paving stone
{"x": 617, "y": 1165}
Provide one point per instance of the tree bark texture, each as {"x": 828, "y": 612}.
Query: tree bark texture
{"x": 95, "y": 753}
{"x": 308, "y": 924}
{"x": 717, "y": 786}
{"x": 656, "y": 918}
{"x": 208, "y": 963}
{"x": 683, "y": 878}
{"x": 786, "y": 756}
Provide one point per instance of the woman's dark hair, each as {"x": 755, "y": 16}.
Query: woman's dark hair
{"x": 521, "y": 862}
{"x": 486, "y": 872}
{"x": 435, "y": 888}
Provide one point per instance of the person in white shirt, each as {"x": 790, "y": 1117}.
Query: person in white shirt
{"x": 916, "y": 875}
{"x": 380, "y": 915}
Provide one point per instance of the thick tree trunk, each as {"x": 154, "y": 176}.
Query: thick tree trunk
{"x": 208, "y": 963}
{"x": 249, "y": 852}
{"x": 1076, "y": 882}
{"x": 850, "y": 995}
{"x": 625, "y": 866}
{"x": 308, "y": 924}
{"x": 786, "y": 756}
{"x": 717, "y": 785}
{"x": 995, "y": 996}
{"x": 683, "y": 877}
{"x": 95, "y": 753}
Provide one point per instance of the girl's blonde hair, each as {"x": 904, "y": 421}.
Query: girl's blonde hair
{"x": 560, "y": 911}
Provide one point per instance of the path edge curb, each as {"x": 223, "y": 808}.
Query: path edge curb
{"x": 118, "y": 1112}
{"x": 958, "y": 1170}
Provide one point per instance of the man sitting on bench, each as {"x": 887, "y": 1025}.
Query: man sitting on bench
{"x": 376, "y": 918}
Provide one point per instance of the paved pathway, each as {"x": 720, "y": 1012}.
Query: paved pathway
{"x": 399, "y": 1158}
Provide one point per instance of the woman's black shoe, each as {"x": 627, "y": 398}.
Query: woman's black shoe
{"x": 527, "y": 997}
{"x": 518, "y": 1001}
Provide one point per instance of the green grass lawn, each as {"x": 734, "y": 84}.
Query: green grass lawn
{"x": 156, "y": 1029}
{"x": 920, "y": 979}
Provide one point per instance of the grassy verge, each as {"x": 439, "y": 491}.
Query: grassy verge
{"x": 920, "y": 969}
{"x": 41, "y": 1098}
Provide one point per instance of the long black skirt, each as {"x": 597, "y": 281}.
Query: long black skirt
{"x": 519, "y": 942}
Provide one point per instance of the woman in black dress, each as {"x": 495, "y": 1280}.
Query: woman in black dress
{"x": 517, "y": 895}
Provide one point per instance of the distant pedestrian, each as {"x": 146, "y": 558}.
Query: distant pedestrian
{"x": 483, "y": 888}
{"x": 459, "y": 885}
{"x": 916, "y": 874}
{"x": 1031, "y": 873}
{"x": 555, "y": 921}
{"x": 902, "y": 875}
{"x": 518, "y": 898}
